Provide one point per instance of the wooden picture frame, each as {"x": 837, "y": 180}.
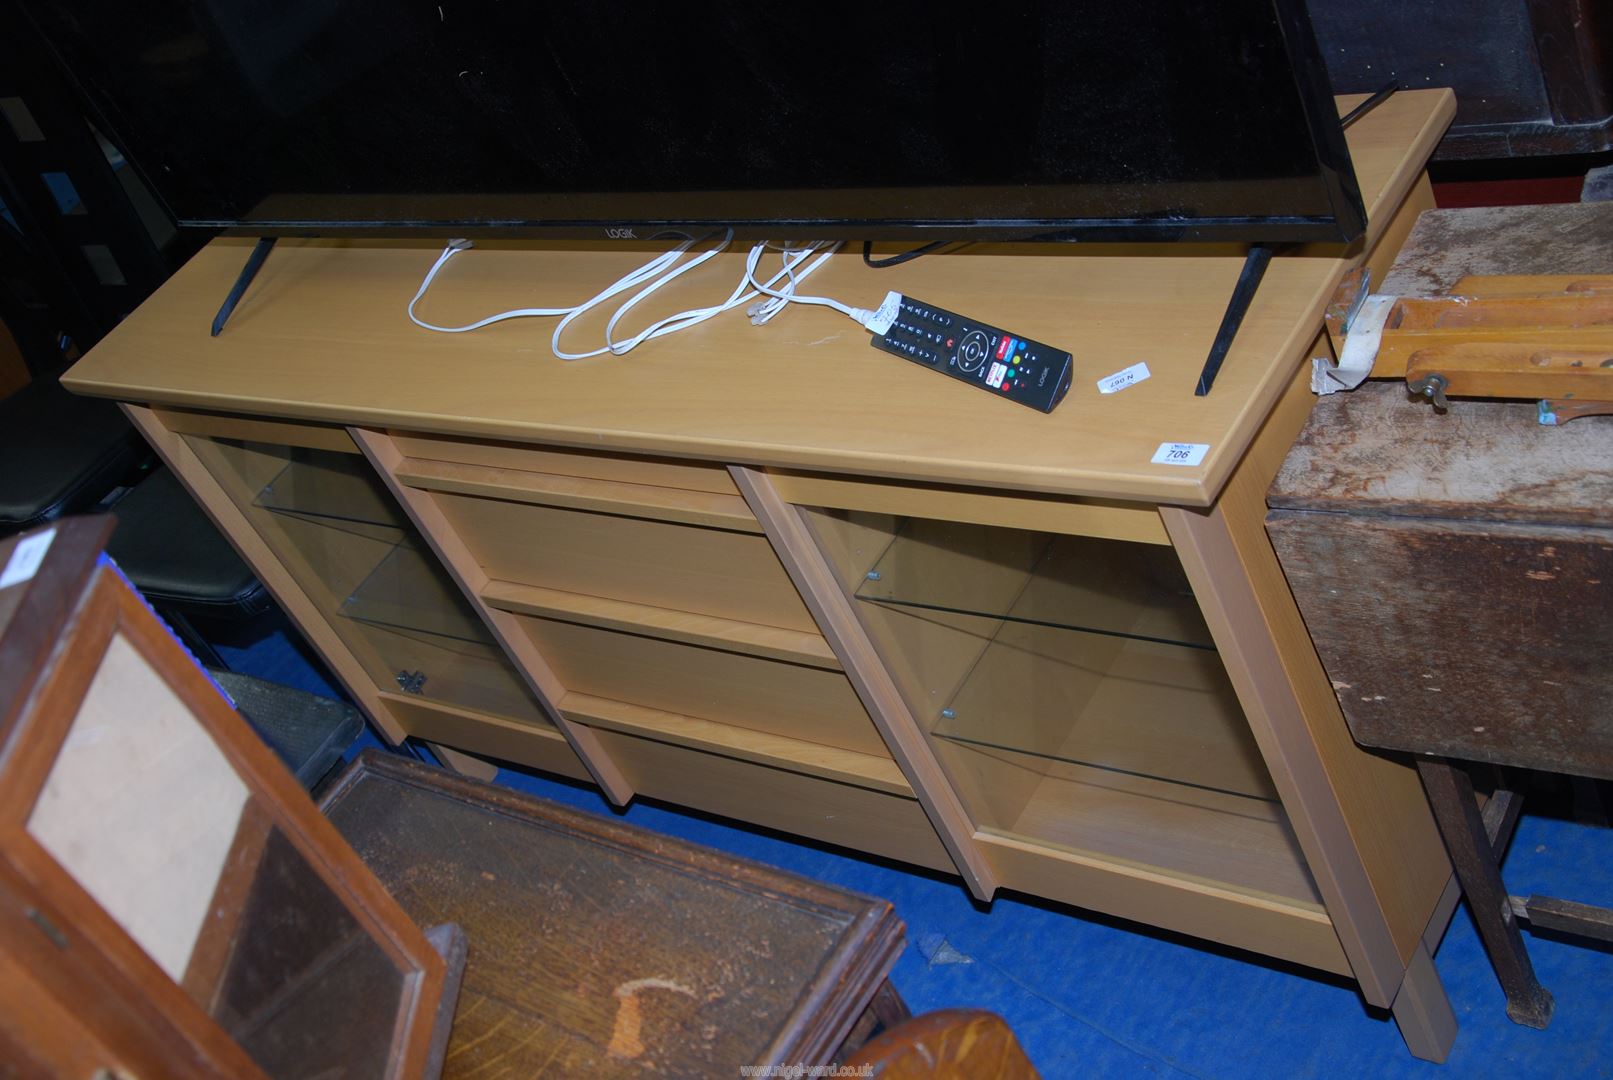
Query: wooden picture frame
{"x": 77, "y": 640}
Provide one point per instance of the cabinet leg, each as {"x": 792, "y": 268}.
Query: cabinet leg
{"x": 1423, "y": 1012}
{"x": 1450, "y": 793}
{"x": 464, "y": 764}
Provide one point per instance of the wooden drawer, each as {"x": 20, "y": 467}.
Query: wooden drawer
{"x": 795, "y": 700}
{"x": 734, "y": 575}
{"x": 855, "y": 817}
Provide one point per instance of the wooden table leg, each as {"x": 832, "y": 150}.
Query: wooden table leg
{"x": 1450, "y": 793}
{"x": 888, "y": 1006}
{"x": 885, "y": 1010}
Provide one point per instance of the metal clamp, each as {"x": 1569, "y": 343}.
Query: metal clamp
{"x": 1433, "y": 388}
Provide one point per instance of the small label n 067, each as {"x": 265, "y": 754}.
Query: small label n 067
{"x": 1136, "y": 373}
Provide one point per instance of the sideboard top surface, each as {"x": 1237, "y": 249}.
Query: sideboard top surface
{"x": 322, "y": 335}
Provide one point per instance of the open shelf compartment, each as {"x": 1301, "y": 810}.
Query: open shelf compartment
{"x": 1073, "y": 694}
{"x": 348, "y": 545}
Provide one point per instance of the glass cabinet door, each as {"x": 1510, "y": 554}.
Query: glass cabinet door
{"x": 337, "y": 530}
{"x": 1071, "y": 692}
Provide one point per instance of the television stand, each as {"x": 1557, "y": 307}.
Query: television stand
{"x": 725, "y": 572}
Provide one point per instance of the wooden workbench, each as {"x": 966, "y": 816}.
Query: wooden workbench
{"x": 679, "y": 572}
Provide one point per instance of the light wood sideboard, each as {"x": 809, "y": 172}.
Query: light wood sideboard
{"x": 771, "y": 573}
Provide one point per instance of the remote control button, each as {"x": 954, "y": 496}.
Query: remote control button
{"x": 973, "y": 350}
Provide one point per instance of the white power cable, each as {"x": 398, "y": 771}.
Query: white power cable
{"x": 652, "y": 275}
{"x": 454, "y": 248}
{"x": 682, "y": 320}
{"x": 877, "y": 320}
{"x": 764, "y": 310}
{"x": 659, "y": 271}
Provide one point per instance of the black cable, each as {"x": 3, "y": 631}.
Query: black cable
{"x": 901, "y": 257}
{"x": 1370, "y": 103}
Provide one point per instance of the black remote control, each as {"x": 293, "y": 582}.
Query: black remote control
{"x": 1004, "y": 364}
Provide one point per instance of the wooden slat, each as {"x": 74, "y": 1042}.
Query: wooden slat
{"x": 777, "y": 751}
{"x": 469, "y": 576}
{"x": 777, "y": 643}
{"x": 1081, "y": 517}
{"x": 1499, "y": 285}
{"x": 561, "y": 461}
{"x": 255, "y": 429}
{"x": 831, "y": 607}
{"x": 1270, "y": 926}
{"x": 603, "y": 496}
{"x": 1448, "y": 313}
{"x": 487, "y": 735}
{"x": 851, "y": 815}
{"x": 1527, "y": 366}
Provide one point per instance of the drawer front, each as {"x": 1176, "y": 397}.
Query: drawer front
{"x": 732, "y": 575}
{"x": 844, "y": 814}
{"x": 793, "y": 700}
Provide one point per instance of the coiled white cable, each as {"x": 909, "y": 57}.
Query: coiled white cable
{"x": 660, "y": 271}
{"x": 787, "y": 295}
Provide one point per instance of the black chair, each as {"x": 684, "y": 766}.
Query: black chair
{"x": 63, "y": 454}
{"x": 182, "y": 564}
{"x": 308, "y": 732}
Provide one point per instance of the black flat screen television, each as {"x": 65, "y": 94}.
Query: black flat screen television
{"x": 1058, "y": 120}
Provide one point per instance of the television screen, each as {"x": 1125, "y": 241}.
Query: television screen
{"x": 1056, "y": 120}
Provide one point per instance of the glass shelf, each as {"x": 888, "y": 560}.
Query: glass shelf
{"x": 339, "y": 490}
{"x": 407, "y": 590}
{"x": 1120, "y": 704}
{"x": 1125, "y": 590}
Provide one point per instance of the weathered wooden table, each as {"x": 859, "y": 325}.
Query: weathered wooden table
{"x": 1455, "y": 572}
{"x": 600, "y": 949}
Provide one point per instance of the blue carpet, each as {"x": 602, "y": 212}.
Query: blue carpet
{"x": 1094, "y": 997}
